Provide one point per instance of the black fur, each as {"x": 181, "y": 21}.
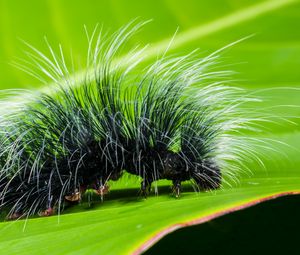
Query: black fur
{"x": 158, "y": 125}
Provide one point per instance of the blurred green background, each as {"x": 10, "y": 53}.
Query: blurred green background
{"x": 269, "y": 60}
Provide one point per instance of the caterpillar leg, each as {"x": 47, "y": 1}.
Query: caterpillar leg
{"x": 145, "y": 187}
{"x": 17, "y": 213}
{"x": 176, "y": 188}
{"x": 75, "y": 196}
{"x": 15, "y": 216}
{"x": 48, "y": 212}
{"x": 102, "y": 190}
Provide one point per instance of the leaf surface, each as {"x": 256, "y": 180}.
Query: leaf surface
{"x": 126, "y": 223}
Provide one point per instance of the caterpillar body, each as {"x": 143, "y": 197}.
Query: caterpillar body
{"x": 176, "y": 120}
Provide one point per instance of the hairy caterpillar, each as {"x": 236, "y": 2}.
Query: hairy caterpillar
{"x": 176, "y": 120}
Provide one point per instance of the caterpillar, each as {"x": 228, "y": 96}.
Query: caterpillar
{"x": 176, "y": 119}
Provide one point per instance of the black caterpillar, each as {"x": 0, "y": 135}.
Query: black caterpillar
{"x": 174, "y": 120}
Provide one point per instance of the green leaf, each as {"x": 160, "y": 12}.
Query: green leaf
{"x": 126, "y": 223}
